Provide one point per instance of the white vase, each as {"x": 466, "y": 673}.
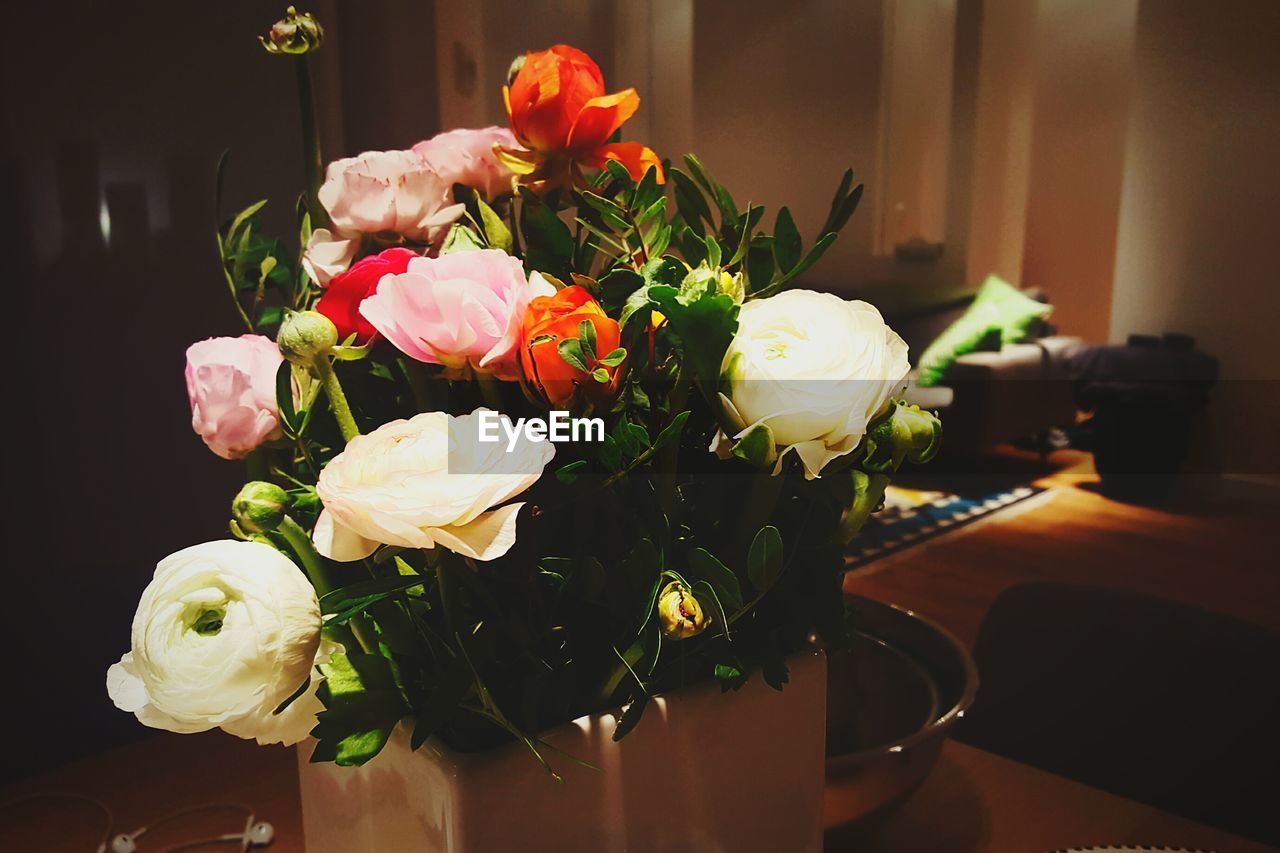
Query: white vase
{"x": 703, "y": 771}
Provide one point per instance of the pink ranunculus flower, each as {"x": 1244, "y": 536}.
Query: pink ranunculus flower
{"x": 466, "y": 157}
{"x": 462, "y": 310}
{"x": 389, "y": 191}
{"x": 231, "y": 383}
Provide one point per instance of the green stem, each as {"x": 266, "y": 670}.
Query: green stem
{"x": 419, "y": 383}
{"x": 758, "y": 507}
{"x": 445, "y": 585}
{"x": 337, "y": 399}
{"x": 669, "y": 455}
{"x": 231, "y": 284}
{"x": 489, "y": 391}
{"x": 313, "y": 564}
{"x": 313, "y": 164}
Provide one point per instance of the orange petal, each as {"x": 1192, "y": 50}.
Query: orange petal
{"x": 600, "y": 117}
{"x": 637, "y": 158}
{"x": 580, "y": 59}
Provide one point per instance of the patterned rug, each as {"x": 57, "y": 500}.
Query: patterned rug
{"x": 912, "y": 517}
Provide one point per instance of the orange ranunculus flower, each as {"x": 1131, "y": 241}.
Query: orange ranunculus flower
{"x": 552, "y": 319}
{"x": 560, "y": 112}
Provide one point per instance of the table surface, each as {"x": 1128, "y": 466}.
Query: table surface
{"x": 973, "y": 801}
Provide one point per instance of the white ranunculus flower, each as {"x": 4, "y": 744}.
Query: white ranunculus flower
{"x": 424, "y": 482}
{"x": 815, "y": 369}
{"x": 224, "y": 633}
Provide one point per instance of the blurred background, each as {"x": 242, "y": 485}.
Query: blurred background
{"x": 1116, "y": 155}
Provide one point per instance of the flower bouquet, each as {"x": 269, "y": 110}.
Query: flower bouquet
{"x": 537, "y": 428}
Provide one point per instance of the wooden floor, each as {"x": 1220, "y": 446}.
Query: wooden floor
{"x": 1221, "y": 554}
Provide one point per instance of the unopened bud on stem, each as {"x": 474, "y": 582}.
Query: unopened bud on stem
{"x": 305, "y": 335}
{"x": 679, "y": 613}
{"x": 293, "y": 35}
{"x": 259, "y": 507}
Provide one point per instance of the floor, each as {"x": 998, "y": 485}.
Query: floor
{"x": 1199, "y": 547}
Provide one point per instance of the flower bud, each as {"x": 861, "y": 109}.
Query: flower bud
{"x": 259, "y": 507}
{"x": 293, "y": 35}
{"x": 305, "y": 335}
{"x": 679, "y": 613}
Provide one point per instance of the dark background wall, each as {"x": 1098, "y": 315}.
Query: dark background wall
{"x": 119, "y": 111}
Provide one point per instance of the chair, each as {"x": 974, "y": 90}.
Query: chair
{"x": 1162, "y": 702}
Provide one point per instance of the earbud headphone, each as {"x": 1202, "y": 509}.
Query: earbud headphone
{"x": 257, "y": 833}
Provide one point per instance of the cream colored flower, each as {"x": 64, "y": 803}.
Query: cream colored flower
{"x": 424, "y": 482}
{"x": 813, "y": 368}
{"x": 224, "y": 633}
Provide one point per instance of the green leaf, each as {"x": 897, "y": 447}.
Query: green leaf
{"x": 730, "y": 676}
{"x": 587, "y": 334}
{"x": 603, "y": 206}
{"x": 614, "y": 358}
{"x": 748, "y": 222}
{"x": 617, "y": 286}
{"x": 843, "y": 204}
{"x": 243, "y": 217}
{"x": 671, "y": 432}
{"x": 705, "y": 327}
{"x": 342, "y": 599}
{"x": 713, "y": 251}
{"x": 631, "y": 714}
{"x": 655, "y": 211}
{"x": 760, "y": 264}
{"x": 284, "y": 396}
{"x": 362, "y": 703}
{"x": 648, "y": 191}
{"x": 461, "y": 239}
{"x": 571, "y": 352}
{"x": 549, "y": 245}
{"x": 619, "y": 173}
{"x": 703, "y": 566}
{"x": 664, "y": 271}
{"x": 600, "y": 375}
{"x": 764, "y": 560}
{"x": 690, "y": 201}
{"x": 611, "y": 454}
{"x": 728, "y": 210}
{"x": 819, "y": 248}
{"x": 757, "y": 446}
{"x": 495, "y": 230}
{"x": 786, "y": 241}
{"x": 838, "y": 200}
{"x": 568, "y": 474}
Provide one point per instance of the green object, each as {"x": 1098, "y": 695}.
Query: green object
{"x": 259, "y": 507}
{"x": 1000, "y": 314}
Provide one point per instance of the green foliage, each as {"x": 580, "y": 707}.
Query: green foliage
{"x": 362, "y": 705}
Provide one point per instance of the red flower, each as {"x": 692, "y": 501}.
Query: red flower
{"x": 341, "y": 300}
{"x": 559, "y": 110}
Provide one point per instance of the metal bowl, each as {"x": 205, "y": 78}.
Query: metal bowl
{"x": 891, "y": 700}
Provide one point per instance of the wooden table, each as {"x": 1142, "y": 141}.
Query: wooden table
{"x": 974, "y": 801}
